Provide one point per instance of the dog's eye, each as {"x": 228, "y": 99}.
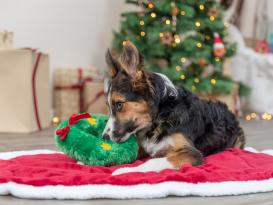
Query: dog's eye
{"x": 119, "y": 106}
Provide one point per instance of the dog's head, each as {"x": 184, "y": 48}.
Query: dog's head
{"x": 129, "y": 95}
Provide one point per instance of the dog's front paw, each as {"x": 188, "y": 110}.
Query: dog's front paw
{"x": 123, "y": 171}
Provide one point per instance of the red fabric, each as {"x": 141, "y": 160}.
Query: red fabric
{"x": 58, "y": 169}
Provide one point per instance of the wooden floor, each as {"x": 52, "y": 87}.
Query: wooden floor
{"x": 259, "y": 135}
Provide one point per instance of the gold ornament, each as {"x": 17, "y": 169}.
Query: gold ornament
{"x": 197, "y": 24}
{"x": 177, "y": 39}
{"x": 168, "y": 21}
{"x": 183, "y": 60}
{"x": 151, "y": 5}
{"x": 199, "y": 45}
{"x": 196, "y": 80}
{"x": 213, "y": 81}
{"x": 217, "y": 59}
{"x": 182, "y": 77}
{"x": 212, "y": 18}
{"x": 201, "y": 7}
{"x": 153, "y": 14}
{"x": 213, "y": 11}
{"x": 175, "y": 11}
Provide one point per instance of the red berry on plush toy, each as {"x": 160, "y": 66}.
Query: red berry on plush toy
{"x": 218, "y": 46}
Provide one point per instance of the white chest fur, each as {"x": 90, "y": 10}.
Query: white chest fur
{"x": 154, "y": 148}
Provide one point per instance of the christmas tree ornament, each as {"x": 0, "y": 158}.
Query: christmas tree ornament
{"x": 201, "y": 7}
{"x": 211, "y": 18}
{"x": 177, "y": 39}
{"x": 174, "y": 13}
{"x": 183, "y": 13}
{"x": 174, "y": 9}
{"x": 151, "y": 5}
{"x": 167, "y": 38}
{"x": 80, "y": 138}
{"x": 197, "y": 24}
{"x": 262, "y": 46}
{"x": 213, "y": 81}
{"x": 182, "y": 77}
{"x": 202, "y": 62}
{"x": 218, "y": 46}
{"x": 141, "y": 22}
{"x": 213, "y": 11}
{"x": 168, "y": 22}
{"x": 153, "y": 14}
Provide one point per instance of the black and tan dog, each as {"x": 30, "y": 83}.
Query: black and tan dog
{"x": 172, "y": 125}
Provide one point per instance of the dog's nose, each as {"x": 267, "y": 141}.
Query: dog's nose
{"x": 105, "y": 137}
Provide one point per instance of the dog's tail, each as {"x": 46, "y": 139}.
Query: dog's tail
{"x": 240, "y": 141}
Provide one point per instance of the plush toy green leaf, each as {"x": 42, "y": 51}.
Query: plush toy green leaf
{"x": 84, "y": 143}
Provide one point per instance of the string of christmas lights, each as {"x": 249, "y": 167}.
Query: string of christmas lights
{"x": 255, "y": 116}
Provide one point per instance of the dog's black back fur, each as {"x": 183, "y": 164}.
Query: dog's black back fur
{"x": 208, "y": 125}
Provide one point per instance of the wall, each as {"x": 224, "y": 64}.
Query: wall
{"x": 75, "y": 33}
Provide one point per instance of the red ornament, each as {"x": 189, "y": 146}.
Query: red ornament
{"x": 202, "y": 62}
{"x": 262, "y": 46}
{"x": 218, "y": 46}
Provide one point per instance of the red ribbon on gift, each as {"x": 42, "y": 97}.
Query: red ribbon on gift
{"x": 80, "y": 85}
{"x": 33, "y": 84}
{"x": 99, "y": 94}
{"x": 73, "y": 119}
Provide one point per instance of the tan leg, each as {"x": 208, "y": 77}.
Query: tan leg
{"x": 182, "y": 151}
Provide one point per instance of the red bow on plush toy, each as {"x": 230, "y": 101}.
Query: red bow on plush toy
{"x": 73, "y": 119}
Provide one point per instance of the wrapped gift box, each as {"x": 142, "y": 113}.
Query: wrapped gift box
{"x": 94, "y": 97}
{"x": 78, "y": 90}
{"x": 24, "y": 88}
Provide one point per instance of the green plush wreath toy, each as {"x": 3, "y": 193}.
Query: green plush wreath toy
{"x": 80, "y": 138}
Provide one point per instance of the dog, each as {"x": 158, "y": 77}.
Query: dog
{"x": 172, "y": 125}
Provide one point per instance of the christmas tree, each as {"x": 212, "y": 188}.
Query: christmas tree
{"x": 183, "y": 39}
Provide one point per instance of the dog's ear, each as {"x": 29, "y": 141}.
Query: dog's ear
{"x": 131, "y": 60}
{"x": 112, "y": 63}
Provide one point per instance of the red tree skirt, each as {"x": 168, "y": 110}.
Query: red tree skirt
{"x": 47, "y": 174}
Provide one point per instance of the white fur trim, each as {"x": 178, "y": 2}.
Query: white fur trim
{"x": 218, "y": 45}
{"x": 134, "y": 191}
{"x": 10, "y": 155}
